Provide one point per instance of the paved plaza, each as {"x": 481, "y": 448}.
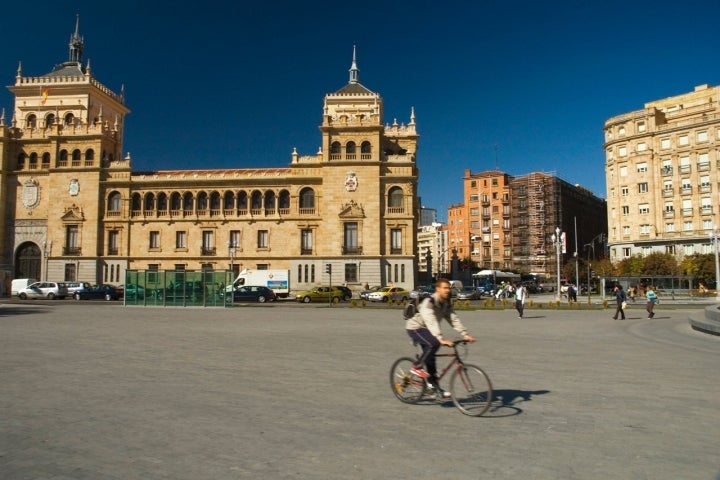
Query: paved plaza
{"x": 96, "y": 391}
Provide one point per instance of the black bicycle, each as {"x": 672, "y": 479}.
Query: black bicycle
{"x": 469, "y": 386}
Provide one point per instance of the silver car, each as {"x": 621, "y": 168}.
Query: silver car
{"x": 49, "y": 290}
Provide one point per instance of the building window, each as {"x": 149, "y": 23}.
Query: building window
{"x": 262, "y": 239}
{"x": 670, "y": 249}
{"x": 641, "y": 127}
{"x": 351, "y": 275}
{"x": 641, "y": 147}
{"x": 154, "y": 242}
{"x": 113, "y": 242}
{"x": 307, "y": 198}
{"x": 683, "y": 140}
{"x": 626, "y": 252}
{"x": 181, "y": 239}
{"x": 395, "y": 199}
{"x": 624, "y": 191}
{"x": 306, "y": 241}
{"x": 702, "y": 136}
{"x": 235, "y": 238}
{"x": 645, "y": 229}
{"x": 72, "y": 240}
{"x": 626, "y": 230}
{"x": 622, "y": 151}
{"x": 707, "y": 224}
{"x": 642, "y": 167}
{"x": 642, "y": 187}
{"x": 669, "y": 227}
{"x": 114, "y": 202}
{"x": 350, "y": 238}
{"x": 644, "y": 208}
{"x": 474, "y": 197}
{"x": 208, "y": 242}
{"x": 625, "y": 210}
{"x": 688, "y": 226}
{"x": 665, "y": 143}
{"x": 396, "y": 241}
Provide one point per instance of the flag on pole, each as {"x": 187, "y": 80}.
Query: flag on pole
{"x": 44, "y": 94}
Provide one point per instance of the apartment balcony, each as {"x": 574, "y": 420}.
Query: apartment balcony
{"x": 668, "y": 192}
{"x": 485, "y": 203}
{"x": 703, "y": 167}
{"x": 208, "y": 251}
{"x": 72, "y": 251}
{"x": 306, "y": 251}
{"x": 665, "y": 171}
{"x": 350, "y": 250}
{"x": 705, "y": 188}
{"x": 395, "y": 210}
{"x": 687, "y": 212}
{"x": 686, "y": 190}
{"x": 669, "y": 214}
{"x": 684, "y": 169}
{"x": 113, "y": 251}
{"x": 706, "y": 209}
{"x": 395, "y": 251}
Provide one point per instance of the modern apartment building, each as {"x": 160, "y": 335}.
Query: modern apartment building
{"x": 507, "y": 223}
{"x": 662, "y": 175}
{"x": 73, "y": 208}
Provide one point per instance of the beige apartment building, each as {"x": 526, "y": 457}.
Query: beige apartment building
{"x": 75, "y": 209}
{"x": 662, "y": 175}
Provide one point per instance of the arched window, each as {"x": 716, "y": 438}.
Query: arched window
{"x": 395, "y": 198}
{"x": 31, "y": 121}
{"x": 33, "y": 161}
{"x": 307, "y": 198}
{"x": 76, "y": 157}
{"x": 21, "y": 161}
{"x": 365, "y": 150}
{"x": 136, "y": 202}
{"x": 256, "y": 200}
{"x": 229, "y": 201}
{"x": 162, "y": 202}
{"x": 188, "y": 202}
{"x": 202, "y": 201}
{"x": 63, "y": 155}
{"x": 350, "y": 151}
{"x": 150, "y": 202}
{"x": 215, "y": 201}
{"x": 114, "y": 202}
{"x": 242, "y": 203}
{"x": 69, "y": 119}
{"x": 175, "y": 201}
{"x": 269, "y": 200}
{"x": 284, "y": 199}
{"x": 335, "y": 151}
{"x": 46, "y": 160}
{"x": 49, "y": 120}
{"x": 89, "y": 156}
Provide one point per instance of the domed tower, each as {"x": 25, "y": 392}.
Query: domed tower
{"x": 63, "y": 141}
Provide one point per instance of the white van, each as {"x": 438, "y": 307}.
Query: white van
{"x": 20, "y": 283}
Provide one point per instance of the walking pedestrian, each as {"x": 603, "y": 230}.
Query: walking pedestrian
{"x": 520, "y": 296}
{"x": 651, "y": 300}
{"x": 620, "y": 299}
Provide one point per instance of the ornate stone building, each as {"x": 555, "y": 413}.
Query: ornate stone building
{"x": 74, "y": 209}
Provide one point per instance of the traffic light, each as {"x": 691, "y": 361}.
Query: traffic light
{"x": 328, "y": 268}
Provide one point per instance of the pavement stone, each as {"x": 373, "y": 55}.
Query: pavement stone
{"x": 96, "y": 390}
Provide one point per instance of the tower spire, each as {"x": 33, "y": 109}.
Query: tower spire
{"x": 354, "y": 72}
{"x": 76, "y": 43}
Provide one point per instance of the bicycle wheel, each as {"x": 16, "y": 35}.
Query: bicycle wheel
{"x": 471, "y": 390}
{"x": 408, "y": 388}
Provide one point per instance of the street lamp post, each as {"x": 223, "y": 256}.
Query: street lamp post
{"x": 714, "y": 239}
{"x": 557, "y": 239}
{"x": 47, "y": 249}
{"x": 231, "y": 252}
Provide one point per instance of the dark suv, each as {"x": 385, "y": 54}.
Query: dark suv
{"x": 347, "y": 293}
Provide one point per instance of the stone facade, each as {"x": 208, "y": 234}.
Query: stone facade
{"x": 76, "y": 210}
{"x": 662, "y": 175}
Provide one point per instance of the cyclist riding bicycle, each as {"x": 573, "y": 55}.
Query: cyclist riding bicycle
{"x": 424, "y": 328}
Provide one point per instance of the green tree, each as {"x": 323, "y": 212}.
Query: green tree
{"x": 659, "y": 264}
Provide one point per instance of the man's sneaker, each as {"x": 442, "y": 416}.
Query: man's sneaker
{"x": 420, "y": 372}
{"x": 438, "y": 392}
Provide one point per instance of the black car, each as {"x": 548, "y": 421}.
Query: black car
{"x": 108, "y": 292}
{"x": 347, "y": 293}
{"x": 249, "y": 293}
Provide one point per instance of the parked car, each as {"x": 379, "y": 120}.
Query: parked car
{"x": 73, "y": 287}
{"x": 105, "y": 291}
{"x": 19, "y": 283}
{"x": 347, "y": 293}
{"x": 320, "y": 294}
{"x": 421, "y": 292}
{"x": 133, "y": 291}
{"x": 389, "y": 293}
{"x": 250, "y": 293}
{"x": 193, "y": 291}
{"x": 469, "y": 293}
{"x": 364, "y": 294}
{"x": 49, "y": 290}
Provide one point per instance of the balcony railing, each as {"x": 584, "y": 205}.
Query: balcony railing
{"x": 112, "y": 251}
{"x": 306, "y": 251}
{"x": 307, "y": 211}
{"x": 687, "y": 212}
{"x": 395, "y": 210}
{"x": 686, "y": 189}
{"x": 668, "y": 192}
{"x": 350, "y": 250}
{"x": 706, "y": 209}
{"x": 666, "y": 170}
{"x": 208, "y": 251}
{"x": 395, "y": 251}
{"x": 72, "y": 251}
{"x": 669, "y": 213}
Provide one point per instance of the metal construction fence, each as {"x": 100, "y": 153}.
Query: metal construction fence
{"x": 177, "y": 288}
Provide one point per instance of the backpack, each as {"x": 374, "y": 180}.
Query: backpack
{"x": 411, "y": 308}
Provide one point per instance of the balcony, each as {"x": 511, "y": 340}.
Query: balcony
{"x": 306, "y": 251}
{"x": 72, "y": 251}
{"x": 666, "y": 170}
{"x": 687, "y": 212}
{"x": 703, "y": 167}
{"x": 669, "y": 214}
{"x": 391, "y": 210}
{"x": 395, "y": 251}
{"x": 706, "y": 209}
{"x": 208, "y": 251}
{"x": 352, "y": 250}
{"x": 668, "y": 192}
{"x": 684, "y": 169}
{"x": 113, "y": 251}
{"x": 307, "y": 211}
{"x": 705, "y": 188}
{"x": 686, "y": 190}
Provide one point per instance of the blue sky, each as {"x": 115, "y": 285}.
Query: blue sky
{"x": 524, "y": 86}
